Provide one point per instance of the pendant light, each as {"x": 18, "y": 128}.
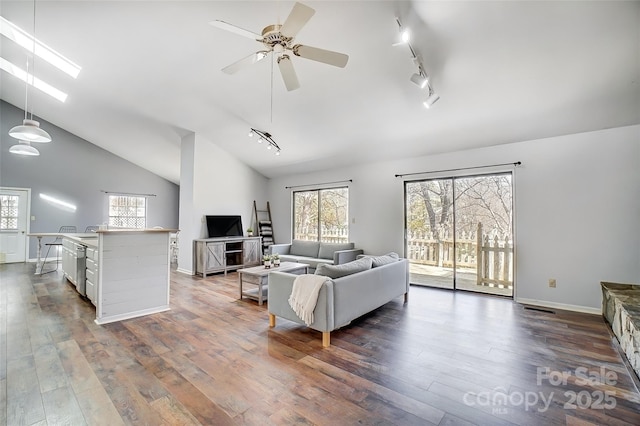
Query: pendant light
{"x": 24, "y": 148}
{"x": 29, "y": 131}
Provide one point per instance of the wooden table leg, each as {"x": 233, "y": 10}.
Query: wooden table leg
{"x": 240, "y": 283}
{"x": 272, "y": 320}
{"x": 260, "y": 290}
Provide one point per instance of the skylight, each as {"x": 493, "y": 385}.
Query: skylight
{"x": 24, "y": 39}
{"x": 18, "y": 72}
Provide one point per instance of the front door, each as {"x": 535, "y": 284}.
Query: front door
{"x": 14, "y": 210}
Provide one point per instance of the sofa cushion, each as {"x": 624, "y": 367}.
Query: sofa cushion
{"x": 304, "y": 248}
{"x": 327, "y": 249}
{"x": 384, "y": 259}
{"x": 337, "y": 271}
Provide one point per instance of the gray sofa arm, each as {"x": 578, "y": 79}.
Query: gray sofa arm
{"x": 344, "y": 256}
{"x": 279, "y": 248}
{"x": 280, "y": 286}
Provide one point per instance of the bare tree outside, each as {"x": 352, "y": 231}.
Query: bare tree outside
{"x": 321, "y": 215}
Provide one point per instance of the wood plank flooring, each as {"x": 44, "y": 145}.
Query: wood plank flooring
{"x": 442, "y": 359}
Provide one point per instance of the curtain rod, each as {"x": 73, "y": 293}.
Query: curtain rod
{"x": 517, "y": 163}
{"x": 127, "y": 193}
{"x": 316, "y": 184}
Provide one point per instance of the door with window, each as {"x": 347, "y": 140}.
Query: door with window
{"x": 14, "y": 210}
{"x": 459, "y": 233}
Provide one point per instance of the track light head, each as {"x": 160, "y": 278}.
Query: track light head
{"x": 420, "y": 80}
{"x": 432, "y": 99}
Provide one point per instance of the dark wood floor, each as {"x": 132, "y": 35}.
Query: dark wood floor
{"x": 444, "y": 358}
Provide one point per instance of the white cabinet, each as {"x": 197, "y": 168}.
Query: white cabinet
{"x": 70, "y": 260}
{"x": 92, "y": 274}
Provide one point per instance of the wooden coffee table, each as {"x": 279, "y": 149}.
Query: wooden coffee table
{"x": 259, "y": 276}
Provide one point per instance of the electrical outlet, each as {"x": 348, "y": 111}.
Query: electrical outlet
{"x": 552, "y": 282}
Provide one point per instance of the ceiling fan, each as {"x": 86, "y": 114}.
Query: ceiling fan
{"x": 279, "y": 40}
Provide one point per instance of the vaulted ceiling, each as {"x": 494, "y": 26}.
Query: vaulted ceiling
{"x": 506, "y": 71}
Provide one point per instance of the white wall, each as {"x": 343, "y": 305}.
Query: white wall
{"x": 577, "y": 210}
{"x": 213, "y": 182}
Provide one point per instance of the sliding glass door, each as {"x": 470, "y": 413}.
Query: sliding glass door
{"x": 459, "y": 233}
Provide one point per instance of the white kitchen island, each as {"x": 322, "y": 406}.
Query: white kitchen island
{"x": 132, "y": 273}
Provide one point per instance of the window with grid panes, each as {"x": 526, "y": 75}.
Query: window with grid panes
{"x": 126, "y": 211}
{"x": 9, "y": 212}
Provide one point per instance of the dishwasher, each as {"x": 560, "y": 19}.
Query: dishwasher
{"x": 81, "y": 269}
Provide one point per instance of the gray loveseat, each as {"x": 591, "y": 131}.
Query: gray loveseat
{"x": 315, "y": 253}
{"x": 343, "y": 299}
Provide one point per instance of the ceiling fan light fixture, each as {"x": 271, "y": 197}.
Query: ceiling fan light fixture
{"x": 419, "y": 80}
{"x": 432, "y": 99}
{"x": 30, "y": 131}
{"x": 24, "y": 148}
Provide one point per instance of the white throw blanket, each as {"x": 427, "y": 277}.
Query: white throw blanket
{"x": 304, "y": 295}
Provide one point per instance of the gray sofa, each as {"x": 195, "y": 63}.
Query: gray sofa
{"x": 315, "y": 253}
{"x": 343, "y": 299}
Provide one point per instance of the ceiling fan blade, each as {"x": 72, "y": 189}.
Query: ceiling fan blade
{"x": 299, "y": 16}
{"x": 245, "y": 62}
{"x": 235, "y": 29}
{"x": 321, "y": 55}
{"x": 288, "y": 73}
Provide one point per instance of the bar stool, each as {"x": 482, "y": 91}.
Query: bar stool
{"x": 57, "y": 243}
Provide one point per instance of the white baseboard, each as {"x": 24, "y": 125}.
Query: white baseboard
{"x": 185, "y": 271}
{"x": 129, "y": 315}
{"x": 563, "y": 306}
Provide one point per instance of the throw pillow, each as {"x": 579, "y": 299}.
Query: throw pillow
{"x": 384, "y": 259}
{"x": 337, "y": 271}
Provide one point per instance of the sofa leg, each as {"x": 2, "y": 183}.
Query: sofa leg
{"x": 406, "y": 297}
{"x": 272, "y": 320}
{"x": 326, "y": 340}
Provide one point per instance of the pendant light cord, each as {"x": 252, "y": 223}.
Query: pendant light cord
{"x": 26, "y": 92}
{"x": 33, "y": 60}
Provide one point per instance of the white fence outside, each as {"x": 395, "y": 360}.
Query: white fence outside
{"x": 491, "y": 257}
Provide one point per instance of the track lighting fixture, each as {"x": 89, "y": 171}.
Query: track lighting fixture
{"x": 432, "y": 99}
{"x": 405, "y": 35}
{"x": 419, "y": 78}
{"x": 265, "y": 137}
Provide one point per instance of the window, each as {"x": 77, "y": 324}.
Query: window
{"x": 321, "y": 215}
{"x": 127, "y": 211}
{"x": 8, "y": 212}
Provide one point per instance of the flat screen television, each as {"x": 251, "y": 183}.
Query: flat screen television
{"x": 224, "y": 226}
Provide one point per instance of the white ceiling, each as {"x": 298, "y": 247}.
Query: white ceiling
{"x": 507, "y": 71}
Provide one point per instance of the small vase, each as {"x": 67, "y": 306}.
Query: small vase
{"x": 267, "y": 264}
{"x": 276, "y": 263}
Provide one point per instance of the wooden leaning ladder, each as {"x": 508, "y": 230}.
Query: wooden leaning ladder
{"x": 264, "y": 225}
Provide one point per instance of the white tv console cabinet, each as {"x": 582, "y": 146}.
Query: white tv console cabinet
{"x": 226, "y": 254}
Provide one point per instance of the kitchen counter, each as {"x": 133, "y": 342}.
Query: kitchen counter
{"x": 89, "y": 239}
{"x": 127, "y": 271}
